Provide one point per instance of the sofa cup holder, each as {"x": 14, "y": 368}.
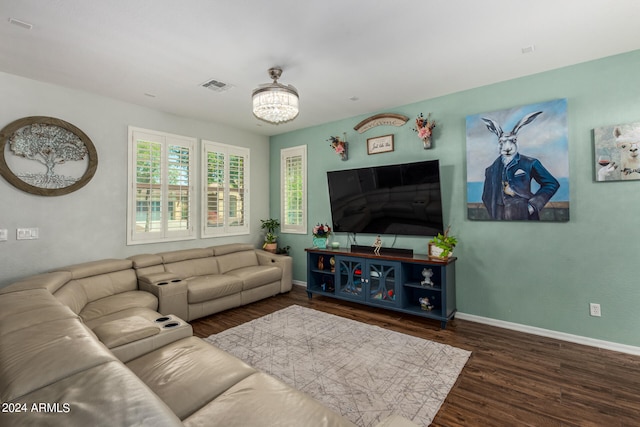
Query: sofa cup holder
{"x": 162, "y": 319}
{"x": 162, "y": 283}
{"x": 171, "y": 325}
{"x": 176, "y": 280}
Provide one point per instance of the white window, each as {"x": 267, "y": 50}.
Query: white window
{"x": 160, "y": 193}
{"x": 225, "y": 195}
{"x": 293, "y": 187}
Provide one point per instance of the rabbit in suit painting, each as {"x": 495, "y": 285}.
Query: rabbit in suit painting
{"x": 507, "y": 193}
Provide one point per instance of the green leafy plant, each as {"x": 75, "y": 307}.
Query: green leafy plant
{"x": 271, "y": 225}
{"x": 445, "y": 242}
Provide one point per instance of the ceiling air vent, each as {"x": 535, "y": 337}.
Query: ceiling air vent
{"x": 216, "y": 85}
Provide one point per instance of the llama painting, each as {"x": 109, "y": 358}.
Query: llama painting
{"x": 518, "y": 164}
{"x": 617, "y": 152}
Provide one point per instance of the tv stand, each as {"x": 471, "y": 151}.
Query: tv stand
{"x": 394, "y": 281}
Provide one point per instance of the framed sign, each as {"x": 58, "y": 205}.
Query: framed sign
{"x": 46, "y": 156}
{"x": 380, "y": 144}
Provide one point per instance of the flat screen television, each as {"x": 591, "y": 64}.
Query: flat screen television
{"x": 401, "y": 199}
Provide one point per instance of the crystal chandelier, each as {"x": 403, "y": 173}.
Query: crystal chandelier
{"x": 274, "y": 102}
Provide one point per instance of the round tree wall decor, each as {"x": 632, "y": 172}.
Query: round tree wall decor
{"x": 46, "y": 156}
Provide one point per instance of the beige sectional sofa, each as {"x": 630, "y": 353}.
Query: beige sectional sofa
{"x": 93, "y": 344}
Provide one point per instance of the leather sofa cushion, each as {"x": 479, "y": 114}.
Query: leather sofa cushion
{"x": 185, "y": 254}
{"x": 205, "y": 288}
{"x": 147, "y": 264}
{"x": 118, "y": 302}
{"x": 49, "y": 281}
{"x": 257, "y": 275}
{"x": 95, "y": 268}
{"x": 79, "y": 292}
{"x": 21, "y": 309}
{"x": 150, "y": 315}
{"x": 261, "y": 400}
{"x": 189, "y": 373}
{"x": 235, "y": 260}
{"x": 193, "y": 267}
{"x": 39, "y": 355}
{"x": 231, "y": 248}
{"x": 105, "y": 395}
{"x": 124, "y": 331}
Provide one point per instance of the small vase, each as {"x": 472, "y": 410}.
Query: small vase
{"x": 426, "y": 143}
{"x": 320, "y": 242}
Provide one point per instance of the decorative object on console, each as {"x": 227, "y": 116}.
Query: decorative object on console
{"x": 377, "y": 245}
{"x": 321, "y": 233}
{"x": 441, "y": 246}
{"x": 275, "y": 103}
{"x": 425, "y": 304}
{"x": 340, "y": 146}
{"x": 270, "y": 239}
{"x": 424, "y": 127}
{"x": 332, "y": 263}
{"x": 380, "y": 144}
{"x": 427, "y": 273}
{"x": 46, "y": 156}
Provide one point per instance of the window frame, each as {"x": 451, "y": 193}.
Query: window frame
{"x": 286, "y": 153}
{"x": 165, "y": 140}
{"x": 226, "y": 229}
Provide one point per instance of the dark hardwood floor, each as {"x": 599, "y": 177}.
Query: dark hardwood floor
{"x": 511, "y": 378}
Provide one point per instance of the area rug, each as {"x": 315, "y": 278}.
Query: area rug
{"x": 363, "y": 372}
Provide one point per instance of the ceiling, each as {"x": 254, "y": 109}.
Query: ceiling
{"x": 345, "y": 57}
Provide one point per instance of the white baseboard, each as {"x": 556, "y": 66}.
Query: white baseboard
{"x": 592, "y": 342}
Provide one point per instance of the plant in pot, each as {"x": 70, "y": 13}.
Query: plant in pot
{"x": 270, "y": 239}
{"x": 441, "y": 246}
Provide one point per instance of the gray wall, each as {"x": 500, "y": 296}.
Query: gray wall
{"x": 90, "y": 223}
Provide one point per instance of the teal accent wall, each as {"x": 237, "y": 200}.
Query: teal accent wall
{"x": 537, "y": 274}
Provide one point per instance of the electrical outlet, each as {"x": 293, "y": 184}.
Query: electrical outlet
{"x": 4, "y": 235}
{"x": 594, "y": 309}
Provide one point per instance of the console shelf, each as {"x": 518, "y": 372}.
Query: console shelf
{"x": 389, "y": 281}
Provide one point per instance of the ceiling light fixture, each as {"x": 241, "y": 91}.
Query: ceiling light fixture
{"x": 274, "y": 102}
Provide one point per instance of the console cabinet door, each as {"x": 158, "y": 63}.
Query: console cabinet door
{"x": 350, "y": 278}
{"x": 383, "y": 282}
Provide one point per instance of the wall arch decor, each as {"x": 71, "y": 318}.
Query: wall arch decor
{"x": 46, "y": 156}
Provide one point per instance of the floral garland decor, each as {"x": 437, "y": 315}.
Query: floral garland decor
{"x": 339, "y": 146}
{"x": 424, "y": 127}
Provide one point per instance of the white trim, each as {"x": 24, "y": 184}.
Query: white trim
{"x": 227, "y": 229}
{"x": 592, "y": 342}
{"x": 165, "y": 140}
{"x": 577, "y": 339}
{"x": 298, "y": 151}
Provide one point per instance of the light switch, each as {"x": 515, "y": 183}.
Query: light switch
{"x": 27, "y": 233}
{"x": 4, "y": 235}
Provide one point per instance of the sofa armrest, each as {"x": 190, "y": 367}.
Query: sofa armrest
{"x": 170, "y": 290}
{"x": 284, "y": 262}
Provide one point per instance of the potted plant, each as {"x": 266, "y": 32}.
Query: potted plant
{"x": 270, "y": 239}
{"x": 441, "y": 246}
